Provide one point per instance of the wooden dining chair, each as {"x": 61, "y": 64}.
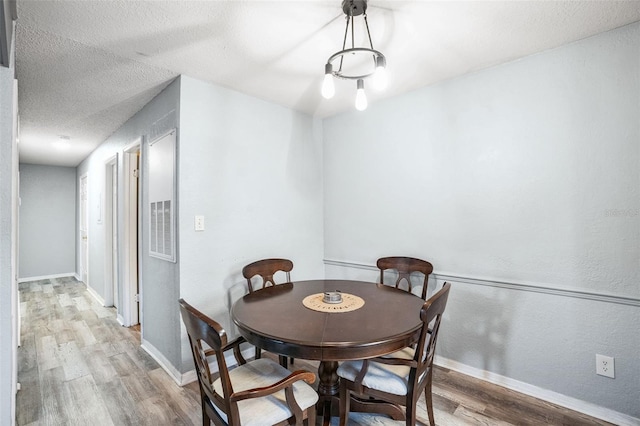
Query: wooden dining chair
{"x": 398, "y": 378}
{"x": 266, "y": 269}
{"x": 259, "y": 392}
{"x": 405, "y": 266}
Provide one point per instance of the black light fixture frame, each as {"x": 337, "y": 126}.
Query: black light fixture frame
{"x": 352, "y": 8}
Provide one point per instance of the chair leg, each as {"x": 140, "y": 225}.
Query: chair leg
{"x": 283, "y": 360}
{"x": 411, "y": 411}
{"x": 345, "y": 399}
{"x": 428, "y": 398}
{"x": 311, "y": 415}
{"x": 258, "y": 353}
{"x": 206, "y": 421}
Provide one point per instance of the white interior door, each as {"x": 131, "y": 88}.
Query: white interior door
{"x": 114, "y": 231}
{"x": 84, "y": 234}
{"x": 110, "y": 232}
{"x": 130, "y": 288}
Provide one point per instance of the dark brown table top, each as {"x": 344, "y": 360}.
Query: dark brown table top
{"x": 275, "y": 319}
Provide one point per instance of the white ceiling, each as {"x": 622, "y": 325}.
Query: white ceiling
{"x": 84, "y": 67}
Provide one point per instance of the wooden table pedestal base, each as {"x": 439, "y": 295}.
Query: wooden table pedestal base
{"x": 329, "y": 397}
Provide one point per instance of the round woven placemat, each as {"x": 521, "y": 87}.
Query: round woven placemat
{"x": 349, "y": 303}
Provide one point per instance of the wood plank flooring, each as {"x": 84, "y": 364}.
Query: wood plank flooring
{"x": 78, "y": 366}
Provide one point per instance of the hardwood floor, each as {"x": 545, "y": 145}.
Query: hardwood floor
{"x": 78, "y": 366}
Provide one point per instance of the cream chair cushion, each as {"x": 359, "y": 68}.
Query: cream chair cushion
{"x": 270, "y": 409}
{"x": 382, "y": 377}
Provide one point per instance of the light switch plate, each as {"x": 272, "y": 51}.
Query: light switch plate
{"x": 199, "y": 223}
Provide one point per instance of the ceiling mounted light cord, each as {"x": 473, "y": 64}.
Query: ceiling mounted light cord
{"x": 353, "y": 8}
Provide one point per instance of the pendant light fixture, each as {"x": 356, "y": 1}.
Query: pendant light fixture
{"x": 377, "y": 70}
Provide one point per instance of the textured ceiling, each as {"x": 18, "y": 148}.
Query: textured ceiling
{"x": 84, "y": 67}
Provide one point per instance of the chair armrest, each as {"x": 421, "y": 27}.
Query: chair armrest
{"x": 288, "y": 381}
{"x": 235, "y": 342}
{"x": 235, "y": 345}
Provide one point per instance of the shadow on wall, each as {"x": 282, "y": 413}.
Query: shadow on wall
{"x": 235, "y": 286}
{"x": 234, "y": 292}
{"x": 481, "y": 327}
{"x": 433, "y": 285}
{"x": 304, "y": 168}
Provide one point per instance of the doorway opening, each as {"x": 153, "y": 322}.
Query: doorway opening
{"x": 131, "y": 229}
{"x": 84, "y": 232}
{"x": 111, "y": 231}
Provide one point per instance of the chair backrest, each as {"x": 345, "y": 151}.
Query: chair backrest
{"x": 431, "y": 316}
{"x": 405, "y": 266}
{"x": 201, "y": 328}
{"x": 266, "y": 268}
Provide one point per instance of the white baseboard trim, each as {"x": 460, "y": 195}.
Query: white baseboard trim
{"x": 162, "y": 361}
{"x": 120, "y": 319}
{"x": 46, "y": 277}
{"x": 190, "y": 376}
{"x": 588, "y": 408}
{"x": 77, "y": 277}
{"x": 95, "y": 295}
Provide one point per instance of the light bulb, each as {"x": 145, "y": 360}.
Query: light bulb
{"x": 328, "y": 88}
{"x": 361, "y": 97}
{"x": 380, "y": 78}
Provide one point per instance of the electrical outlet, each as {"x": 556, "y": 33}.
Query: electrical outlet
{"x": 605, "y": 366}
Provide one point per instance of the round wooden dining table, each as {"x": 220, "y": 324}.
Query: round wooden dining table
{"x": 276, "y": 319}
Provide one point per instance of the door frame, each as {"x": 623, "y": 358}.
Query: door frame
{"x": 131, "y": 288}
{"x": 84, "y": 221}
{"x": 15, "y": 250}
{"x": 110, "y": 228}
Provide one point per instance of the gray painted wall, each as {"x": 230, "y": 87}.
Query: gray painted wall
{"x": 158, "y": 279}
{"x": 161, "y": 282}
{"x": 8, "y": 223}
{"x": 259, "y": 187}
{"x": 279, "y": 157}
{"x": 525, "y": 174}
{"x": 47, "y": 221}
{"x": 254, "y": 170}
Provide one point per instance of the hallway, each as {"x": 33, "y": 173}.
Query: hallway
{"x": 77, "y": 365}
